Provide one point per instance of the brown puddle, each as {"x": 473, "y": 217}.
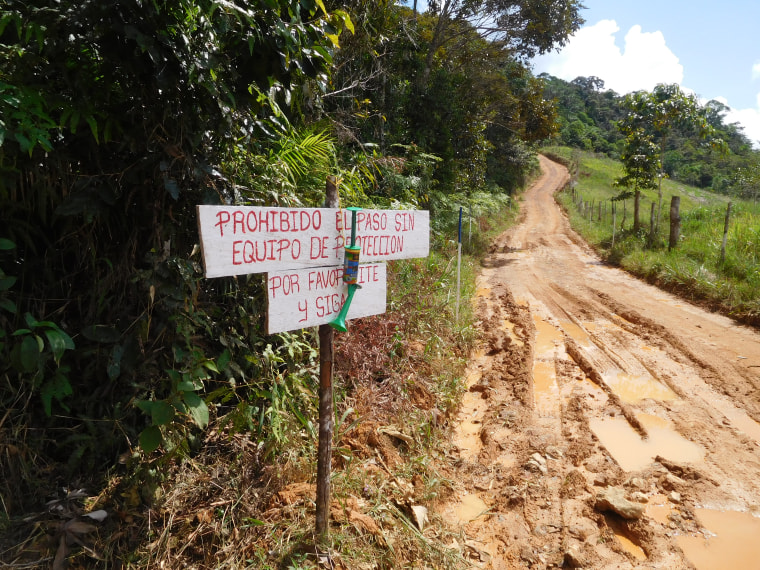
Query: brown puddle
{"x": 545, "y": 389}
{"x": 633, "y": 453}
{"x": 735, "y": 545}
{"x": 659, "y": 509}
{"x": 470, "y": 508}
{"x": 743, "y": 422}
{"x": 628, "y": 545}
{"x": 547, "y": 337}
{"x": 576, "y": 333}
{"x": 633, "y": 389}
{"x": 509, "y": 327}
{"x": 591, "y": 326}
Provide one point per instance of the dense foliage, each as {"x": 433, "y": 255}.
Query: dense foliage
{"x": 589, "y": 116}
{"x": 118, "y": 118}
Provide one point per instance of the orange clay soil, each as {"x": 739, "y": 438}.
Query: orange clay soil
{"x": 588, "y": 383}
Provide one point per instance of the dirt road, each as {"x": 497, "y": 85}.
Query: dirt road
{"x": 607, "y": 424}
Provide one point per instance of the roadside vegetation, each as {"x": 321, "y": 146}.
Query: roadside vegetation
{"x": 146, "y": 417}
{"x": 696, "y": 267}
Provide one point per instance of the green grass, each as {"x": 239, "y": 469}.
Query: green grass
{"x": 694, "y": 268}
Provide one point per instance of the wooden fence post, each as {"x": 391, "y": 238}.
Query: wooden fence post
{"x": 622, "y": 224}
{"x": 324, "y": 451}
{"x": 675, "y": 222}
{"x": 725, "y": 234}
{"x": 614, "y": 210}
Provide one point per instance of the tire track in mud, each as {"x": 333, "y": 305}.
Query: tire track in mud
{"x": 589, "y": 382}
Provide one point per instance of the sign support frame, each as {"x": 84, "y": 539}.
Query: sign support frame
{"x": 326, "y": 413}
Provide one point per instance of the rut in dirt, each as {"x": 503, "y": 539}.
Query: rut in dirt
{"x": 607, "y": 424}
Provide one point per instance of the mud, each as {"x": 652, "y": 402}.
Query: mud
{"x": 589, "y": 379}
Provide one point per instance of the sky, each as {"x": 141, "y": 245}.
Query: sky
{"x": 708, "y": 48}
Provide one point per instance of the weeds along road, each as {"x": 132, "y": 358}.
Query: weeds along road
{"x": 607, "y": 424}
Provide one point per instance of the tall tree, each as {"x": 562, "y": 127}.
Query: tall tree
{"x": 652, "y": 117}
{"x": 639, "y": 157}
{"x": 525, "y": 27}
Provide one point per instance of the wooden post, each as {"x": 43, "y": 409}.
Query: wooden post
{"x": 725, "y": 234}
{"x": 622, "y": 224}
{"x": 614, "y": 210}
{"x": 324, "y": 452}
{"x": 675, "y": 222}
{"x": 600, "y": 212}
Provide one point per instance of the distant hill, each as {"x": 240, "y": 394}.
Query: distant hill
{"x": 588, "y": 113}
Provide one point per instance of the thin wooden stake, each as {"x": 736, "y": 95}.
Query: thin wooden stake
{"x": 725, "y": 234}
{"x": 459, "y": 264}
{"x": 675, "y": 222}
{"x": 324, "y": 452}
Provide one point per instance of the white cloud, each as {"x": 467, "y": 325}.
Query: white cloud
{"x": 749, "y": 119}
{"x": 644, "y": 61}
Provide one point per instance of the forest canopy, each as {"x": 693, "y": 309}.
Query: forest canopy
{"x": 589, "y": 116}
{"x": 118, "y": 118}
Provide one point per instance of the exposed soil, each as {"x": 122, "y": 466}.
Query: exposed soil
{"x": 591, "y": 384}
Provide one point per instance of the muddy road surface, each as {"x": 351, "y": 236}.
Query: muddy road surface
{"x": 607, "y": 424}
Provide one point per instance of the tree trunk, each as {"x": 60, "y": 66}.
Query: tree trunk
{"x": 636, "y": 208}
{"x": 659, "y": 186}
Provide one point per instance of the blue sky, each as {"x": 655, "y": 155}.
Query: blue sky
{"x": 709, "y": 48}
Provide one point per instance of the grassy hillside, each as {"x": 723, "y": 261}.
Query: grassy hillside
{"x": 694, "y": 268}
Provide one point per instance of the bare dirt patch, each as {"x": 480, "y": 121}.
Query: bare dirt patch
{"x": 605, "y": 421}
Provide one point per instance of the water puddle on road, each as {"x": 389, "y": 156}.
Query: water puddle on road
{"x": 470, "y": 508}
{"x": 633, "y": 453}
{"x": 509, "y": 327}
{"x": 576, "y": 333}
{"x": 633, "y": 389}
{"x": 631, "y": 547}
{"x": 659, "y": 508}
{"x": 547, "y": 337}
{"x": 628, "y": 545}
{"x": 734, "y": 546}
{"x": 590, "y": 326}
{"x": 545, "y": 389}
{"x": 745, "y": 423}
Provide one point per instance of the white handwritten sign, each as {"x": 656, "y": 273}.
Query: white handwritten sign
{"x": 238, "y": 240}
{"x": 303, "y": 298}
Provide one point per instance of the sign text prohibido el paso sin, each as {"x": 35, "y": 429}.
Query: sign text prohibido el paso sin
{"x": 238, "y": 240}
